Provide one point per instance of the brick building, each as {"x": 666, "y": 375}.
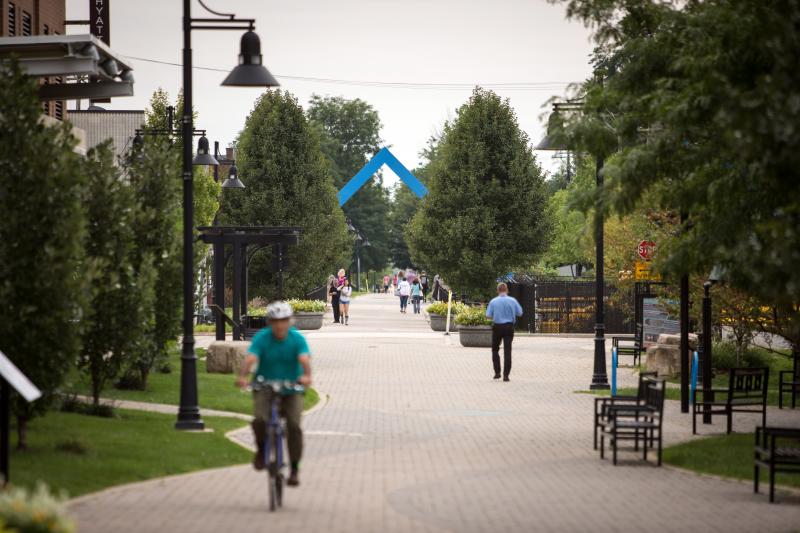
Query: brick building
{"x": 21, "y": 18}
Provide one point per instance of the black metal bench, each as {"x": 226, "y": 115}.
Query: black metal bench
{"x": 789, "y": 382}
{"x": 627, "y": 345}
{"x": 777, "y": 450}
{"x": 746, "y": 393}
{"x": 603, "y": 404}
{"x": 639, "y": 423}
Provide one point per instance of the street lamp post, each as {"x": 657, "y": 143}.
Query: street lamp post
{"x": 249, "y": 73}
{"x": 599, "y": 374}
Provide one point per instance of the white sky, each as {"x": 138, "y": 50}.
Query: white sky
{"x": 418, "y": 41}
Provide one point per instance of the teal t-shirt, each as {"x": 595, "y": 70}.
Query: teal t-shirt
{"x": 416, "y": 290}
{"x": 278, "y": 360}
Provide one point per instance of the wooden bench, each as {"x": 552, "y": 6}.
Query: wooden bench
{"x": 777, "y": 450}
{"x": 789, "y": 382}
{"x": 627, "y": 345}
{"x": 746, "y": 393}
{"x": 602, "y": 405}
{"x": 639, "y": 423}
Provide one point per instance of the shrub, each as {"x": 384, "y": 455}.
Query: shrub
{"x": 473, "y": 316}
{"x": 307, "y": 306}
{"x": 36, "y": 511}
{"x": 71, "y": 404}
{"x": 440, "y": 308}
{"x": 723, "y": 356}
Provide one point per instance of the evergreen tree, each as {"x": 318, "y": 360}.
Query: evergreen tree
{"x": 288, "y": 184}
{"x": 41, "y": 237}
{"x": 486, "y": 212}
{"x": 108, "y": 338}
{"x": 350, "y": 136}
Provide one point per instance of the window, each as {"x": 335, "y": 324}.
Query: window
{"x": 59, "y": 110}
{"x": 12, "y": 19}
{"x": 27, "y": 23}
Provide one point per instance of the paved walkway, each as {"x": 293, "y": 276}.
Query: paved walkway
{"x": 416, "y": 436}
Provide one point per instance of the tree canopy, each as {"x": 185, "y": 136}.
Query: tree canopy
{"x": 698, "y": 102}
{"x": 350, "y": 136}
{"x": 288, "y": 184}
{"x": 486, "y": 211}
{"x": 41, "y": 242}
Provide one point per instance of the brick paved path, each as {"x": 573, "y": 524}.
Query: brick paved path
{"x": 416, "y": 436}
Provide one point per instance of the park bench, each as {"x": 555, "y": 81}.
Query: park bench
{"x": 602, "y": 405}
{"x": 637, "y": 422}
{"x": 777, "y": 450}
{"x": 789, "y": 382}
{"x": 746, "y": 393}
{"x": 627, "y": 345}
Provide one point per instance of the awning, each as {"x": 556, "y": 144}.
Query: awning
{"x": 89, "y": 69}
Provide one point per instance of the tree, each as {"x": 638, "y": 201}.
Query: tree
{"x": 108, "y": 339}
{"x": 697, "y": 99}
{"x": 41, "y": 237}
{"x": 486, "y": 211}
{"x": 405, "y": 205}
{"x": 154, "y": 173}
{"x": 349, "y": 137}
{"x": 288, "y": 184}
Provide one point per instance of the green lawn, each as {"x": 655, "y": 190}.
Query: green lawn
{"x": 81, "y": 453}
{"x": 216, "y": 391}
{"x": 727, "y": 455}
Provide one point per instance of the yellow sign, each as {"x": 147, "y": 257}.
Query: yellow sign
{"x": 642, "y": 272}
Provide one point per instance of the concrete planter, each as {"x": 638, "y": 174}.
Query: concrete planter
{"x": 439, "y": 322}
{"x": 475, "y": 336}
{"x": 308, "y": 320}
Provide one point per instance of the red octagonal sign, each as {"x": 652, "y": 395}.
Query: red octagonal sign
{"x": 646, "y": 249}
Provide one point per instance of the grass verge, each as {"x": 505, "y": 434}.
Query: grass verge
{"x": 81, "y": 454}
{"x": 216, "y": 391}
{"x": 726, "y": 455}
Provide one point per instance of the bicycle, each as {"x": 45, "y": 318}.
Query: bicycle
{"x": 275, "y": 432}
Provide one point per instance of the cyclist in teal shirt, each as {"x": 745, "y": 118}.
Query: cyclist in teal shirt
{"x": 281, "y": 354}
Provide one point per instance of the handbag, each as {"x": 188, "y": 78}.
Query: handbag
{"x": 397, "y": 292}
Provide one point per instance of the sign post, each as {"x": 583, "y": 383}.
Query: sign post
{"x": 10, "y": 376}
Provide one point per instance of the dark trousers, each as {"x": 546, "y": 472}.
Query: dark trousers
{"x": 291, "y": 409}
{"x": 502, "y": 333}
{"x": 335, "y": 305}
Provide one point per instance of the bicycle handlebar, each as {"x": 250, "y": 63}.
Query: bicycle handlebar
{"x": 277, "y": 386}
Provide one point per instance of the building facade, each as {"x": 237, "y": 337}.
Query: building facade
{"x": 23, "y": 18}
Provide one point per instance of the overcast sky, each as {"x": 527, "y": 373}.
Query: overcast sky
{"x": 463, "y": 42}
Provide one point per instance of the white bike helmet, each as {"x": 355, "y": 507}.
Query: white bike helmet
{"x": 279, "y": 310}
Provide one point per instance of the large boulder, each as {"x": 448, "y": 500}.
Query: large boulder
{"x": 664, "y": 356}
{"x": 225, "y": 357}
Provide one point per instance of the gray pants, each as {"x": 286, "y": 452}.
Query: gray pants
{"x": 291, "y": 409}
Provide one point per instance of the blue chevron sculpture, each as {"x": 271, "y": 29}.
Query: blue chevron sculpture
{"x": 383, "y": 157}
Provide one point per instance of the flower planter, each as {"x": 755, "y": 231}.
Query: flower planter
{"x": 308, "y": 320}
{"x": 475, "y": 336}
{"x": 439, "y": 322}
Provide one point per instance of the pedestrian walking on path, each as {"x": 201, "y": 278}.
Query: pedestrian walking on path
{"x": 344, "y": 302}
{"x": 333, "y": 291}
{"x": 404, "y": 291}
{"x": 386, "y": 280}
{"x": 503, "y": 310}
{"x": 416, "y": 296}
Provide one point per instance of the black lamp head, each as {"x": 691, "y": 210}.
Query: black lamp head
{"x": 203, "y": 156}
{"x": 138, "y": 140}
{"x": 250, "y": 72}
{"x": 233, "y": 181}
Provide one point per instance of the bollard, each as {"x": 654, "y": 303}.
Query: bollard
{"x": 449, "y": 306}
{"x": 614, "y": 371}
{"x": 694, "y": 377}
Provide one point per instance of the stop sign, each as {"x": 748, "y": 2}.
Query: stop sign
{"x": 646, "y": 249}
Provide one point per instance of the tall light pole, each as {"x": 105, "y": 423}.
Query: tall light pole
{"x": 249, "y": 73}
{"x": 599, "y": 374}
